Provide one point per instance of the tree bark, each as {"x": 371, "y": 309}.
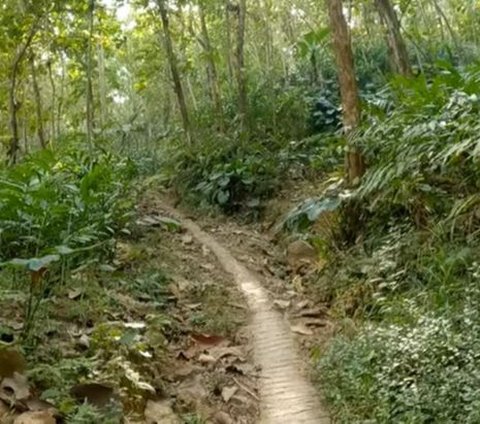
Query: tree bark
{"x": 38, "y": 102}
{"x": 53, "y": 88}
{"x": 102, "y": 86}
{"x": 211, "y": 70}
{"x": 354, "y": 161}
{"x": 14, "y": 145}
{"x": 241, "y": 10}
{"x": 90, "y": 106}
{"x": 396, "y": 42}
{"x": 229, "y": 41}
{"x": 172, "y": 59}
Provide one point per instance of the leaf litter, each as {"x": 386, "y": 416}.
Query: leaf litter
{"x": 155, "y": 357}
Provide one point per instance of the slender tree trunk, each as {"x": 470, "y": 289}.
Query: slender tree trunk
{"x": 229, "y": 42}
{"x": 90, "y": 106}
{"x": 441, "y": 13}
{"x": 396, "y": 42}
{"x": 38, "y": 102}
{"x": 354, "y": 161}
{"x": 172, "y": 59}
{"x": 61, "y": 98}
{"x": 53, "y": 88}
{"x": 102, "y": 83}
{"x": 212, "y": 71}
{"x": 14, "y": 145}
{"x": 240, "y": 66}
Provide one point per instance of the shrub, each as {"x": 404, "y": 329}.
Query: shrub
{"x": 63, "y": 199}
{"x": 419, "y": 373}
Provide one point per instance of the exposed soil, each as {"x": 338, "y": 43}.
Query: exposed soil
{"x": 210, "y": 325}
{"x": 286, "y": 395}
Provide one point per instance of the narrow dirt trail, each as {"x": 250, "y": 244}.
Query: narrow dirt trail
{"x": 286, "y": 394}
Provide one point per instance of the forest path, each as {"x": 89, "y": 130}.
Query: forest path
{"x": 286, "y": 394}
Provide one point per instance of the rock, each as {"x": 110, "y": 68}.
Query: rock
{"x": 160, "y": 412}
{"x": 300, "y": 253}
{"x": 36, "y": 417}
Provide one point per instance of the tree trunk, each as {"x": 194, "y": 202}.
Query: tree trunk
{"x": 61, "y": 97}
{"x": 53, "y": 88}
{"x": 14, "y": 145}
{"x": 442, "y": 15}
{"x": 102, "y": 86}
{"x": 229, "y": 42}
{"x": 38, "y": 102}
{"x": 212, "y": 71}
{"x": 177, "y": 83}
{"x": 396, "y": 42}
{"x": 90, "y": 106}
{"x": 354, "y": 161}
{"x": 241, "y": 10}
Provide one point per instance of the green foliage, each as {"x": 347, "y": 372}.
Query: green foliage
{"x": 304, "y": 215}
{"x": 425, "y": 150}
{"x": 60, "y": 210}
{"x": 232, "y": 176}
{"x": 419, "y": 373}
{"x": 411, "y": 285}
{"x": 87, "y": 414}
{"x": 63, "y": 203}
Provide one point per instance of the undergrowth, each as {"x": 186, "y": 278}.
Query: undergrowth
{"x": 410, "y": 282}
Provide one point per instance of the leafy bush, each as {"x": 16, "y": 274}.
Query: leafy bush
{"x": 412, "y": 281}
{"x": 60, "y": 210}
{"x": 63, "y": 199}
{"x": 419, "y": 373}
{"x": 231, "y": 175}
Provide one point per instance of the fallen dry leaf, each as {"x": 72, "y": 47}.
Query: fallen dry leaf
{"x": 193, "y": 306}
{"x": 315, "y": 322}
{"x": 206, "y": 359}
{"x": 17, "y": 326}
{"x": 228, "y": 392}
{"x": 192, "y": 392}
{"x": 222, "y": 418}
{"x": 208, "y": 267}
{"x": 34, "y": 404}
{"x": 207, "y": 339}
{"x": 302, "y": 305}
{"x": 11, "y": 361}
{"x": 160, "y": 412}
{"x": 35, "y": 417}
{"x": 14, "y": 389}
{"x": 75, "y": 294}
{"x": 242, "y": 369}
{"x": 187, "y": 239}
{"x": 83, "y": 342}
{"x": 4, "y": 409}
{"x": 311, "y": 313}
{"x": 281, "y": 304}
{"x": 219, "y": 352}
{"x": 135, "y": 325}
{"x": 95, "y": 394}
{"x": 301, "y": 329}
